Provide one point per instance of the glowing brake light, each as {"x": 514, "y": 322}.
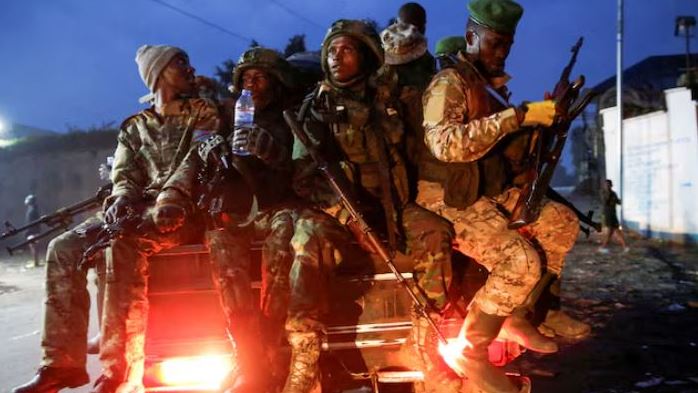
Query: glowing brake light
{"x": 452, "y": 353}
{"x": 202, "y": 372}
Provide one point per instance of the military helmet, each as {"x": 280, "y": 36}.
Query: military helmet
{"x": 356, "y": 29}
{"x": 450, "y": 45}
{"x": 267, "y": 59}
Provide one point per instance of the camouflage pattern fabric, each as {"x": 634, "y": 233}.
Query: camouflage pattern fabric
{"x": 126, "y": 303}
{"x": 447, "y": 134}
{"x": 148, "y": 144}
{"x": 67, "y": 303}
{"x": 510, "y": 256}
{"x": 150, "y": 148}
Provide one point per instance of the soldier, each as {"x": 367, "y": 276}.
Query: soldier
{"x": 267, "y": 171}
{"x": 32, "y": 214}
{"x": 64, "y": 343}
{"x": 447, "y": 50}
{"x": 151, "y": 144}
{"x": 470, "y": 127}
{"x": 355, "y": 117}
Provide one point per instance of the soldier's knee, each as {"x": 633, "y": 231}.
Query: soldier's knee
{"x": 525, "y": 265}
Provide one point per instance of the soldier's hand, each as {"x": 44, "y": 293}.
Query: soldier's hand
{"x": 169, "y": 218}
{"x": 260, "y": 143}
{"x": 539, "y": 113}
{"x": 118, "y": 209}
{"x": 360, "y": 236}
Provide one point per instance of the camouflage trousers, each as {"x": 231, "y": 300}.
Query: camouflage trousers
{"x": 511, "y": 256}
{"x": 126, "y": 303}
{"x": 67, "y": 304}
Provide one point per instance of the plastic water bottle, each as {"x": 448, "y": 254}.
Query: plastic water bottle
{"x": 244, "y": 117}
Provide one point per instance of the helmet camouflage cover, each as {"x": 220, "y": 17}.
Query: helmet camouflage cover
{"x": 357, "y": 29}
{"x": 268, "y": 60}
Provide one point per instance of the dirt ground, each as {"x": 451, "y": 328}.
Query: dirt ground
{"x": 643, "y": 307}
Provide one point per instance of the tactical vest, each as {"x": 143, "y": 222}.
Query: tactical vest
{"x": 366, "y": 132}
{"x": 464, "y": 183}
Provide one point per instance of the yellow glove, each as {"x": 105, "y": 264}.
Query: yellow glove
{"x": 539, "y": 113}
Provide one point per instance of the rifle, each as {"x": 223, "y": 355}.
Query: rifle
{"x": 545, "y": 156}
{"x": 586, "y": 219}
{"x": 339, "y": 184}
{"x": 101, "y": 236}
{"x": 59, "y": 220}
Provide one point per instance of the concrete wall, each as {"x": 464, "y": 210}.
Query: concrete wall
{"x": 57, "y": 179}
{"x": 660, "y": 167}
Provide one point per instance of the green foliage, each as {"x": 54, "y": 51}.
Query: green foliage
{"x": 93, "y": 138}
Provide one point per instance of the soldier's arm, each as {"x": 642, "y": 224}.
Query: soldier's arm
{"x": 179, "y": 187}
{"x": 127, "y": 176}
{"x": 447, "y": 135}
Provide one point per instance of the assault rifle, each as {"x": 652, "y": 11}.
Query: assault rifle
{"x": 547, "y": 144}
{"x": 586, "y": 219}
{"x": 100, "y": 236}
{"x": 339, "y": 184}
{"x": 58, "y": 221}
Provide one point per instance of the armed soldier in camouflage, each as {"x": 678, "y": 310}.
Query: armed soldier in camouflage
{"x": 279, "y": 219}
{"x": 354, "y": 116}
{"x": 472, "y": 129}
{"x": 151, "y": 144}
{"x": 64, "y": 343}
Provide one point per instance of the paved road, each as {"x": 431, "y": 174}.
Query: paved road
{"x": 21, "y": 305}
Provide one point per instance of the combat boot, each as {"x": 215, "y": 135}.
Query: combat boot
{"x": 557, "y": 322}
{"x": 516, "y": 328}
{"x": 105, "y": 384}
{"x": 479, "y": 330}
{"x": 53, "y": 379}
{"x": 304, "y": 371}
{"x": 251, "y": 373}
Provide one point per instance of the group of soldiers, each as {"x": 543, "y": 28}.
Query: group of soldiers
{"x": 433, "y": 157}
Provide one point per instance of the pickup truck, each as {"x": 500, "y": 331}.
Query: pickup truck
{"x": 187, "y": 349}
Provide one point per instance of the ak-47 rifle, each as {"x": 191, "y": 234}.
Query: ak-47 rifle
{"x": 101, "y": 236}
{"x": 340, "y": 185}
{"x": 547, "y": 144}
{"x": 59, "y": 220}
{"x": 586, "y": 219}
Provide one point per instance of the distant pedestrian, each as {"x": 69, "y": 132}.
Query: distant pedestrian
{"x": 610, "y": 218}
{"x": 31, "y": 215}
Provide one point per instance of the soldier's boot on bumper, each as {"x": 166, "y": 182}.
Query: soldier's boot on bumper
{"x": 53, "y": 379}
{"x": 251, "y": 373}
{"x": 304, "y": 370}
{"x": 421, "y": 351}
{"x": 480, "y": 329}
{"x": 516, "y": 328}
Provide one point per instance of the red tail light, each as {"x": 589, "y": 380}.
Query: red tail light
{"x": 197, "y": 372}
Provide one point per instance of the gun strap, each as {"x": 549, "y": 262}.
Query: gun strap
{"x": 183, "y": 146}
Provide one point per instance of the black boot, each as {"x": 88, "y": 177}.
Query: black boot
{"x": 104, "y": 384}
{"x": 253, "y": 371}
{"x": 480, "y": 329}
{"x": 53, "y": 379}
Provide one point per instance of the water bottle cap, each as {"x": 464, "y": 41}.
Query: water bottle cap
{"x": 246, "y": 92}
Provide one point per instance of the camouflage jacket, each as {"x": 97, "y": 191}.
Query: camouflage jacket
{"x": 151, "y": 146}
{"x": 362, "y": 129}
{"x": 469, "y": 130}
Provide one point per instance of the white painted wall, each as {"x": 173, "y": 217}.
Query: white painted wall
{"x": 660, "y": 164}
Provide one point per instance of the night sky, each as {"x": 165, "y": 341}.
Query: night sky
{"x": 70, "y": 62}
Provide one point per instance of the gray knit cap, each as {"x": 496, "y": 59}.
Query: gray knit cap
{"x": 152, "y": 59}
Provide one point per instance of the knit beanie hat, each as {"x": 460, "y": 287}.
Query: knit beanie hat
{"x": 152, "y": 59}
{"x": 402, "y": 43}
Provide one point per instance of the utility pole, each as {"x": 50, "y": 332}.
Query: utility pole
{"x": 619, "y": 104}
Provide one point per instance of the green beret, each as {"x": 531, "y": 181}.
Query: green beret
{"x": 499, "y": 15}
{"x": 450, "y": 45}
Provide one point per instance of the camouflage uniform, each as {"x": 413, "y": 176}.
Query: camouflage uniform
{"x": 67, "y": 304}
{"x": 363, "y": 126}
{"x": 470, "y": 130}
{"x": 150, "y": 146}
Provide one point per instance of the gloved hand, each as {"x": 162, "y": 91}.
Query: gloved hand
{"x": 168, "y": 217}
{"x": 360, "y": 236}
{"x": 258, "y": 142}
{"x": 539, "y": 113}
{"x": 118, "y": 209}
